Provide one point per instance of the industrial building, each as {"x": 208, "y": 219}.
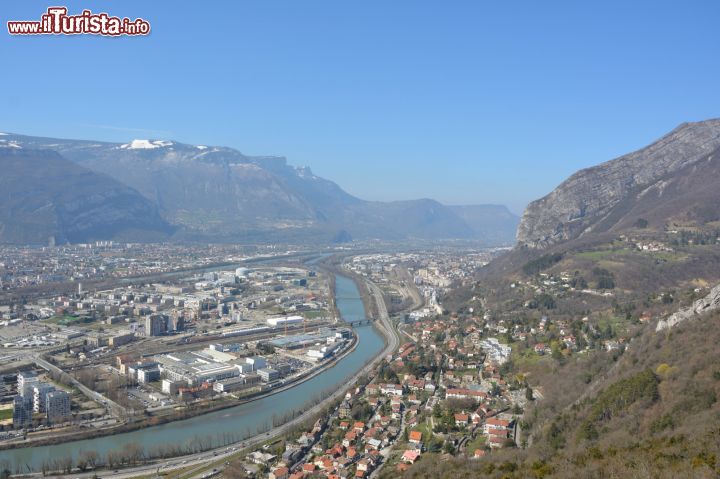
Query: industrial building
{"x": 268, "y": 374}
{"x": 284, "y": 321}
{"x": 146, "y": 375}
{"x": 121, "y": 339}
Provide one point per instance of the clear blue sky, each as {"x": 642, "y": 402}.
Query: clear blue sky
{"x": 461, "y": 101}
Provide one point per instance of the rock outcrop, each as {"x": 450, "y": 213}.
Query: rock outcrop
{"x": 708, "y": 304}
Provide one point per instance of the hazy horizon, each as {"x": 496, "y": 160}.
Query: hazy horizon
{"x": 465, "y": 104}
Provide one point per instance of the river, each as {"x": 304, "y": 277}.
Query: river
{"x": 241, "y": 421}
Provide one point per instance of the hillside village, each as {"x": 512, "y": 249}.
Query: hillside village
{"x": 443, "y": 391}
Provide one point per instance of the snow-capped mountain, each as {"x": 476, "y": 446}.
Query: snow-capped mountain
{"x": 217, "y": 193}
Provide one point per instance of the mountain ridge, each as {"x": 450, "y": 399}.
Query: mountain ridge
{"x": 85, "y": 207}
{"x": 219, "y": 194}
{"x": 589, "y": 195}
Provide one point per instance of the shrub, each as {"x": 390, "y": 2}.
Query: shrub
{"x": 619, "y": 396}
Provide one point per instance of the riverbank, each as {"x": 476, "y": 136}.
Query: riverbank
{"x": 156, "y": 420}
{"x": 330, "y": 265}
{"x": 237, "y": 424}
{"x": 152, "y": 419}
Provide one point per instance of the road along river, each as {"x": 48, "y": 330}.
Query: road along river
{"x": 240, "y": 421}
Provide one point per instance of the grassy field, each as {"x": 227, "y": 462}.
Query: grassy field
{"x": 426, "y": 430}
{"x": 477, "y": 443}
{"x": 609, "y": 254}
{"x": 618, "y": 325}
{"x": 526, "y": 358}
{"x": 595, "y": 255}
{"x": 315, "y": 314}
{"x": 66, "y": 320}
{"x": 6, "y": 414}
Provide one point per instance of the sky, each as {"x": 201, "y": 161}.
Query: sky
{"x": 466, "y": 102}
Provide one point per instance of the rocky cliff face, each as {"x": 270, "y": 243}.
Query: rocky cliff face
{"x": 590, "y": 196}
{"x": 708, "y": 304}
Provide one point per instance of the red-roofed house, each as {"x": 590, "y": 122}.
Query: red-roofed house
{"x": 410, "y": 456}
{"x": 280, "y": 473}
{"x": 495, "y": 423}
{"x": 349, "y": 439}
{"x": 461, "y": 420}
{"x": 465, "y": 393}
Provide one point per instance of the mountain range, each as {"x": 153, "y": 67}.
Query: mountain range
{"x": 205, "y": 193}
{"x": 46, "y": 198}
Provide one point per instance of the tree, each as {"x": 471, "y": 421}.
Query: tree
{"x": 235, "y": 470}
{"x": 87, "y": 460}
{"x": 556, "y": 439}
{"x": 556, "y": 353}
{"x": 587, "y": 431}
{"x": 529, "y": 394}
{"x": 641, "y": 223}
{"x": 606, "y": 282}
{"x": 435, "y": 445}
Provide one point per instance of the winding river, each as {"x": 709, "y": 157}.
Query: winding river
{"x": 240, "y": 421}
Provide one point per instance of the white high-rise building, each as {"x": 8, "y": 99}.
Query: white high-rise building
{"x": 26, "y": 381}
{"x": 40, "y": 392}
